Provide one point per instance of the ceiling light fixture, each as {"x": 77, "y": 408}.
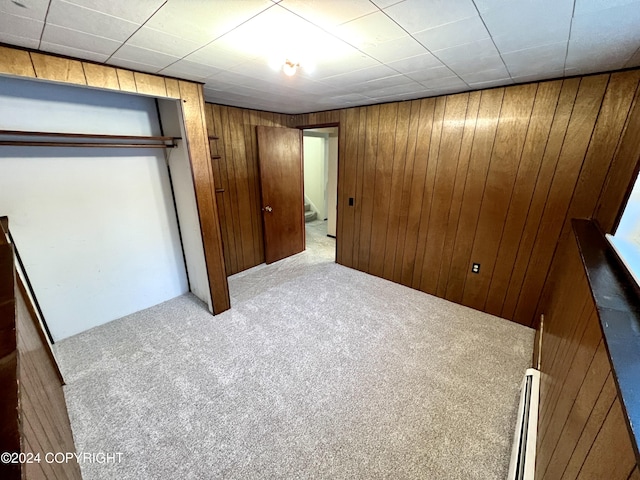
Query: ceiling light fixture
{"x": 290, "y": 68}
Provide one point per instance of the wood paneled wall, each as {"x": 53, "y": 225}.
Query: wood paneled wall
{"x": 237, "y": 176}
{"x": 581, "y": 430}
{"x": 491, "y": 176}
{"x": 34, "y": 413}
{"x": 21, "y": 63}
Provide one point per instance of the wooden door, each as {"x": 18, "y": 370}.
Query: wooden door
{"x": 280, "y": 161}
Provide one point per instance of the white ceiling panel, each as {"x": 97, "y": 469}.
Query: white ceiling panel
{"x": 634, "y": 61}
{"x": 353, "y": 52}
{"x": 590, "y": 6}
{"x": 369, "y": 31}
{"x": 394, "y": 50}
{"x": 445, "y": 83}
{"x": 359, "y": 76}
{"x": 218, "y": 57}
{"x": 138, "y": 11}
{"x": 532, "y": 60}
{"x": 202, "y": 21}
{"x": 329, "y": 13}
{"x": 418, "y": 15}
{"x": 422, "y": 62}
{"x": 462, "y": 53}
{"x": 190, "y": 70}
{"x": 430, "y": 74}
{"x": 72, "y": 52}
{"x": 162, "y": 42}
{"x": 19, "y": 41}
{"x": 34, "y": 9}
{"x": 86, "y": 20}
{"x": 73, "y": 38}
{"x": 497, "y": 74}
{"x": 463, "y": 31}
{"x": 20, "y": 27}
{"x": 144, "y": 56}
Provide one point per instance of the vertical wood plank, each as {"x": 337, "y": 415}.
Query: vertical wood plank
{"x": 458, "y": 191}
{"x": 446, "y": 165}
{"x": 528, "y": 170}
{"x": 16, "y": 62}
{"x": 503, "y": 167}
{"x": 579, "y": 131}
{"x": 150, "y": 84}
{"x": 126, "y": 80}
{"x": 367, "y": 211}
{"x": 485, "y": 131}
{"x": 407, "y": 180}
{"x": 58, "y": 69}
{"x": 347, "y": 186}
{"x": 425, "y": 128}
{"x": 427, "y": 196}
{"x": 101, "y": 76}
{"x": 382, "y": 186}
{"x": 200, "y": 158}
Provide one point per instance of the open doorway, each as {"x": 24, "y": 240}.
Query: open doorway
{"x": 320, "y": 163}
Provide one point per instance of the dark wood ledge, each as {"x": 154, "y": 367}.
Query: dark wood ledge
{"x": 617, "y": 300}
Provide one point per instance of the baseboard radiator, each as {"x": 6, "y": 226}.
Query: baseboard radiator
{"x": 523, "y": 452}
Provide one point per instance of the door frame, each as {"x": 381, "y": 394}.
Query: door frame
{"x": 328, "y": 125}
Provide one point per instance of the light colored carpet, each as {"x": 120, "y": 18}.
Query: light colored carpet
{"x": 318, "y": 371}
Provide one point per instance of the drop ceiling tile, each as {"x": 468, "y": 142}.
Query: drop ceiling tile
{"x": 132, "y": 65}
{"x": 395, "y": 50}
{"x": 634, "y": 61}
{"x": 396, "y": 90}
{"x": 491, "y": 84}
{"x": 430, "y": 74}
{"x": 418, "y": 15}
{"x": 608, "y": 28}
{"x": 329, "y": 13}
{"x": 137, "y": 12}
{"x": 217, "y": 56}
{"x": 203, "y": 21}
{"x": 20, "y": 26}
{"x": 468, "y": 51}
{"x": 476, "y": 64}
{"x": 494, "y": 74}
{"x": 444, "y": 83}
{"x": 73, "y": 52}
{"x": 162, "y": 42}
{"x": 390, "y": 81}
{"x": 598, "y": 59}
{"x": 527, "y": 15}
{"x": 385, "y": 3}
{"x": 345, "y": 66}
{"x": 360, "y": 76}
{"x": 589, "y": 6}
{"x": 144, "y": 56}
{"x": 190, "y": 70}
{"x": 516, "y": 41}
{"x": 449, "y": 90}
{"x": 537, "y": 59}
{"x": 420, "y": 62}
{"x": 19, "y": 41}
{"x": 456, "y": 33}
{"x": 34, "y": 9}
{"x": 79, "y": 40}
{"x": 86, "y": 20}
{"x": 369, "y": 31}
{"x": 484, "y": 5}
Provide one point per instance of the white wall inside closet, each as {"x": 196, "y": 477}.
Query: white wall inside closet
{"x": 96, "y": 227}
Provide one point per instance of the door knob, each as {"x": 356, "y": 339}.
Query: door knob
{"x": 268, "y": 208}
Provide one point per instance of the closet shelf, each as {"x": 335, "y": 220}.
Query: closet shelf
{"x": 43, "y": 139}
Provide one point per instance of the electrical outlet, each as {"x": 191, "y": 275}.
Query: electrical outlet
{"x": 475, "y": 268}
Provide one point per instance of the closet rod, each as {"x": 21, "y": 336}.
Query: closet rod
{"x": 19, "y": 133}
{"x": 16, "y": 143}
